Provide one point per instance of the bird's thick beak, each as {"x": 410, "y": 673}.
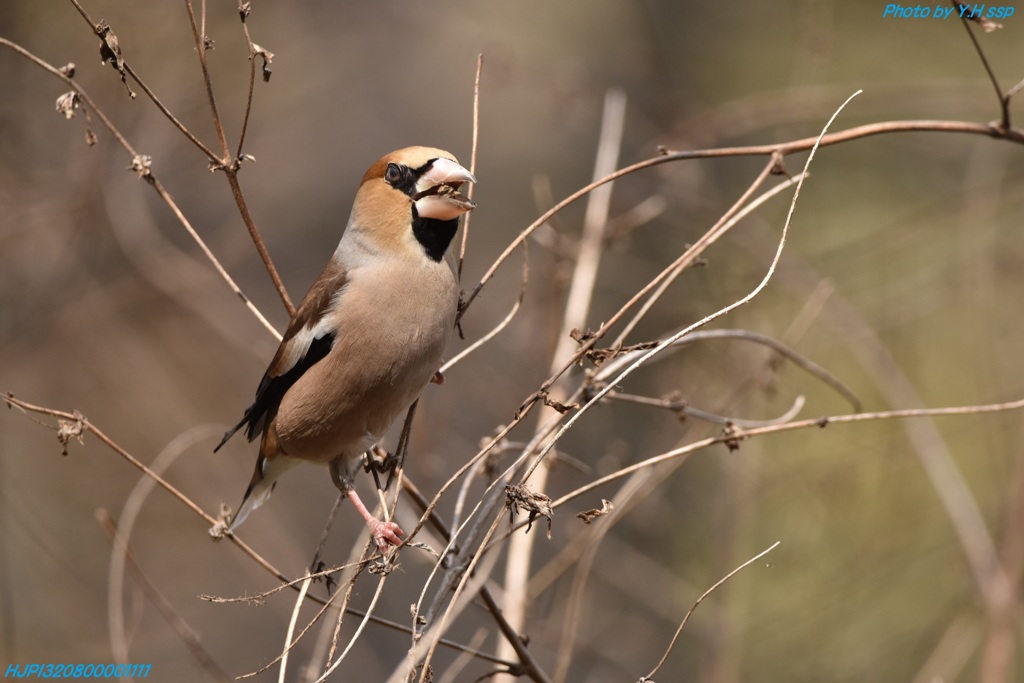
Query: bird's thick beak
{"x": 437, "y": 193}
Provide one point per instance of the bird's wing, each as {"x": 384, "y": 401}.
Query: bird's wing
{"x": 309, "y": 338}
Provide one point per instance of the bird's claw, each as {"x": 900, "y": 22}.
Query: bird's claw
{"x": 385, "y": 535}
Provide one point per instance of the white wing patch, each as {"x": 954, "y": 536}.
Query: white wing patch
{"x": 297, "y": 347}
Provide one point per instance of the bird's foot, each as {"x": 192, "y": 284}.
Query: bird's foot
{"x": 438, "y": 378}
{"x": 385, "y": 534}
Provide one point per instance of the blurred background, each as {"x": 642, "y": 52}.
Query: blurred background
{"x": 902, "y": 277}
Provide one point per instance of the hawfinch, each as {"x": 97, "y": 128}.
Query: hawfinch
{"x": 369, "y": 334}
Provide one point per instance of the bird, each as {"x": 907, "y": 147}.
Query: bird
{"x": 369, "y": 334}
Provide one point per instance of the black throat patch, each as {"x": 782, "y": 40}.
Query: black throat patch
{"x": 434, "y": 235}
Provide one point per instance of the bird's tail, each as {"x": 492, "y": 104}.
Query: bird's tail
{"x": 264, "y": 478}
{"x": 231, "y": 432}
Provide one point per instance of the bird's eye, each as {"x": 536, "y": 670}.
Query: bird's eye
{"x": 393, "y": 174}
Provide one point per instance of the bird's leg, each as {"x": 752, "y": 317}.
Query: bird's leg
{"x": 376, "y": 461}
{"x": 384, "y": 534}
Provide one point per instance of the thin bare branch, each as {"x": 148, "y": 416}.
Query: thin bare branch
{"x": 531, "y": 667}
{"x": 326, "y": 604}
{"x": 929, "y": 446}
{"x": 261, "y": 248}
{"x": 185, "y": 632}
{"x": 1004, "y": 98}
{"x": 199, "y": 38}
{"x": 223, "y": 162}
{"x": 359, "y": 630}
{"x": 625, "y": 356}
{"x": 700, "y": 323}
{"x": 79, "y": 423}
{"x": 680, "y": 407}
{"x": 737, "y": 212}
{"x": 299, "y": 599}
{"x": 472, "y": 158}
{"x": 243, "y": 12}
{"x": 259, "y": 598}
{"x": 780, "y": 150}
{"x": 688, "y": 257}
{"x": 820, "y": 422}
{"x": 476, "y": 345}
{"x": 147, "y": 174}
{"x": 231, "y": 166}
{"x": 755, "y": 558}
{"x": 96, "y": 28}
{"x": 129, "y": 514}
{"x": 455, "y": 605}
{"x": 577, "y": 309}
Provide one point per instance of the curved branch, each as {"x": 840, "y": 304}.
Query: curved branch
{"x": 782, "y": 349}
{"x": 73, "y": 424}
{"x": 779, "y": 149}
{"x": 820, "y": 422}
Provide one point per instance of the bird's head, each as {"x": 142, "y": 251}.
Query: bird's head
{"x": 428, "y": 178}
{"x": 417, "y": 188}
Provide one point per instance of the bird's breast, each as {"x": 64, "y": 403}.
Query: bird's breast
{"x": 393, "y": 325}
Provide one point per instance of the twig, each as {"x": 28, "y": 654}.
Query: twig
{"x": 819, "y": 422}
{"x": 359, "y": 630}
{"x": 498, "y": 438}
{"x": 327, "y": 604}
{"x": 96, "y": 28}
{"x": 680, "y": 407}
{"x": 81, "y": 423}
{"x": 780, "y": 150}
{"x": 231, "y": 166}
{"x": 755, "y": 558}
{"x": 439, "y": 627}
{"x": 577, "y": 308}
{"x": 315, "y": 564}
{"x": 737, "y": 212}
{"x": 1015, "y": 89}
{"x": 122, "y": 539}
{"x": 472, "y": 157}
{"x": 299, "y": 599}
{"x": 222, "y": 162}
{"x": 476, "y": 345}
{"x": 147, "y": 174}
{"x": 261, "y": 248}
{"x": 200, "y": 42}
{"x": 631, "y": 492}
{"x": 610, "y": 367}
{"x": 930, "y": 449}
{"x": 243, "y": 13}
{"x": 700, "y": 323}
{"x": 586, "y": 555}
{"x": 531, "y": 667}
{"x": 163, "y": 605}
{"x": 454, "y": 671}
{"x": 688, "y": 256}
{"x": 367, "y": 549}
{"x": 1004, "y": 99}
{"x": 259, "y": 598}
